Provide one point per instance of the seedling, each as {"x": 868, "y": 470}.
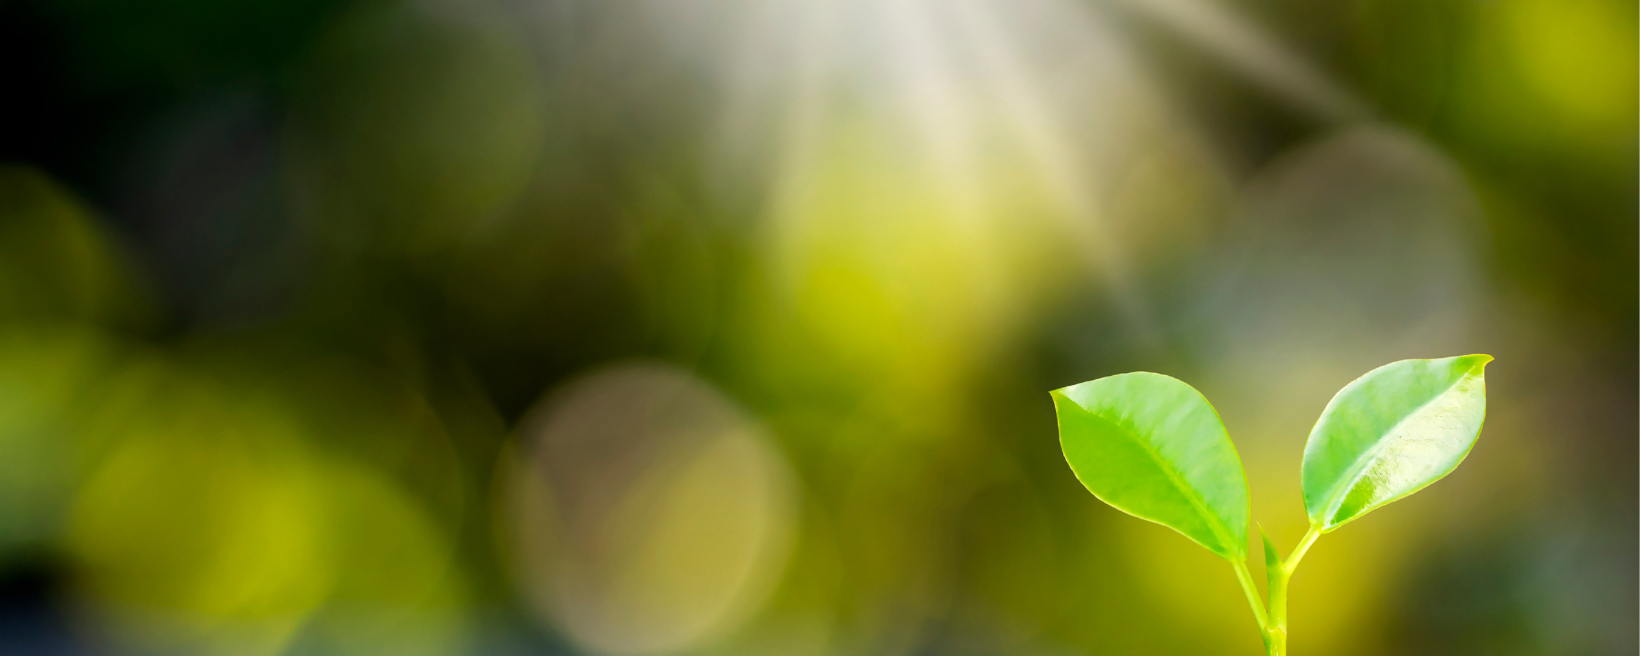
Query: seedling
{"x": 1153, "y": 447}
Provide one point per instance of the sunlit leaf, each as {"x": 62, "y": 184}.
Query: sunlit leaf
{"x": 1391, "y": 432}
{"x": 1153, "y": 447}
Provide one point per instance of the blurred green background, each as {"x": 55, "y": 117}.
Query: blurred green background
{"x": 644, "y": 327}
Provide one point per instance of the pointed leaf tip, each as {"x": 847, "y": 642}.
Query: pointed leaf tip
{"x": 1272, "y": 559}
{"x": 1272, "y": 562}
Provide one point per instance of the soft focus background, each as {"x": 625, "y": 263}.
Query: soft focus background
{"x": 653, "y": 327}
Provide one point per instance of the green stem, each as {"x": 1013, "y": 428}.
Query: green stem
{"x": 1252, "y": 593}
{"x": 1275, "y": 628}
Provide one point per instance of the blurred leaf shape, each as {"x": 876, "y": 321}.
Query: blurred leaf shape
{"x": 46, "y": 372}
{"x": 1391, "y": 432}
{"x": 55, "y": 261}
{"x": 63, "y": 282}
{"x": 651, "y": 513}
{"x": 1153, "y": 447}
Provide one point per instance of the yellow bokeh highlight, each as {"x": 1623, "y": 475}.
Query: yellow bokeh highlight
{"x": 200, "y": 526}
{"x": 220, "y": 512}
{"x": 1577, "y": 55}
{"x": 900, "y": 280}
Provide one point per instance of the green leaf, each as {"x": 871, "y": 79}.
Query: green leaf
{"x": 1153, "y": 447}
{"x": 1272, "y": 561}
{"x": 1390, "y": 433}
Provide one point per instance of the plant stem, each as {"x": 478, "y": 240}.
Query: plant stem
{"x": 1275, "y": 626}
{"x": 1252, "y": 594}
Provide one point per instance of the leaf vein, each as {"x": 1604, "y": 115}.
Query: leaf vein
{"x": 1359, "y": 468}
{"x": 1173, "y": 476}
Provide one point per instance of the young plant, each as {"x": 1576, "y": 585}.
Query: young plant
{"x": 1153, "y": 447}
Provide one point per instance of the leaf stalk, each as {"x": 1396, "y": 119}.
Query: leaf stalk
{"x": 1252, "y": 593}
{"x": 1273, "y": 624}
